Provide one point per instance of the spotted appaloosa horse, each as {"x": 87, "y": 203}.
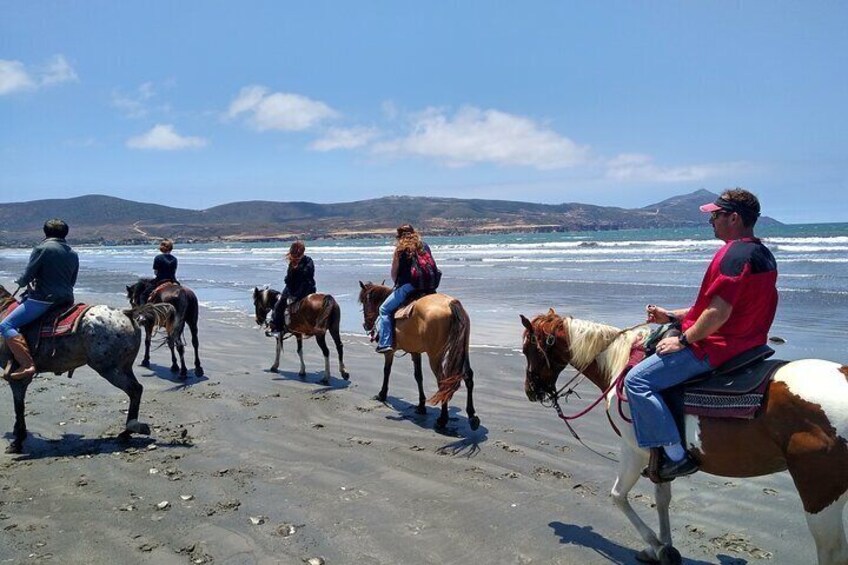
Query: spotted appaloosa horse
{"x": 439, "y": 326}
{"x": 107, "y": 340}
{"x": 184, "y": 301}
{"x": 803, "y": 428}
{"x": 316, "y": 315}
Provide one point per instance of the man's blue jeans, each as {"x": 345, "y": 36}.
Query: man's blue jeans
{"x": 652, "y": 419}
{"x": 28, "y": 311}
{"x": 387, "y": 310}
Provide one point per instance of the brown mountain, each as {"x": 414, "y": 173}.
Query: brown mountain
{"x": 107, "y": 220}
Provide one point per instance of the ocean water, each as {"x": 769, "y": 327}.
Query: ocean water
{"x": 601, "y": 276}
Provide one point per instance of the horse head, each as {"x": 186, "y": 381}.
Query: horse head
{"x": 371, "y": 296}
{"x": 138, "y": 292}
{"x": 263, "y": 302}
{"x": 545, "y": 345}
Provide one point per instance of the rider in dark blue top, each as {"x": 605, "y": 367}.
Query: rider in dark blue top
{"x": 165, "y": 264}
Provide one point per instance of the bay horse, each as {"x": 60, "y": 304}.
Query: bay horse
{"x": 184, "y": 301}
{"x": 317, "y": 313}
{"x": 439, "y": 326}
{"x": 802, "y": 428}
{"x": 107, "y": 340}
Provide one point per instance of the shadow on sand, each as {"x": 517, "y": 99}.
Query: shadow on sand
{"x": 571, "y": 534}
{"x": 457, "y": 425}
{"x": 75, "y": 445}
{"x": 336, "y": 383}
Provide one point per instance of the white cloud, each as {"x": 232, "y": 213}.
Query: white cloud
{"x": 641, "y": 168}
{"x": 279, "y": 110}
{"x": 486, "y": 136}
{"x": 14, "y": 76}
{"x": 164, "y": 137}
{"x": 58, "y": 70}
{"x": 134, "y": 105}
{"x": 344, "y": 138}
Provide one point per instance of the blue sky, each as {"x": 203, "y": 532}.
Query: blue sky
{"x": 194, "y": 104}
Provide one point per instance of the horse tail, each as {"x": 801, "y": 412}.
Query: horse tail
{"x": 454, "y": 355}
{"x": 160, "y": 314}
{"x": 327, "y": 308}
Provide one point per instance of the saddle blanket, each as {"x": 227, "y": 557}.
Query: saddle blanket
{"x": 708, "y": 401}
{"x": 55, "y": 324}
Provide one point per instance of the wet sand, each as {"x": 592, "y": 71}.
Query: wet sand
{"x": 247, "y": 466}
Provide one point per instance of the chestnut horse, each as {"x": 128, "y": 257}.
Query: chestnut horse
{"x": 187, "y": 310}
{"x": 316, "y": 314}
{"x": 803, "y": 427}
{"x": 107, "y": 341}
{"x": 439, "y": 327}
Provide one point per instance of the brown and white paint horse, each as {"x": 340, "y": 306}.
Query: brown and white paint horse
{"x": 439, "y": 326}
{"x": 803, "y": 428}
{"x": 317, "y": 314}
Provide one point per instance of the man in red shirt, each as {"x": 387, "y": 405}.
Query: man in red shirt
{"x": 733, "y": 312}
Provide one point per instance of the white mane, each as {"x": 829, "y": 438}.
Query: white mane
{"x": 606, "y": 345}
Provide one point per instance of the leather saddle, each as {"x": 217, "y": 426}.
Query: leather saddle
{"x": 62, "y": 319}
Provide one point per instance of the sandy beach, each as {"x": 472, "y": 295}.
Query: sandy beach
{"x": 247, "y": 466}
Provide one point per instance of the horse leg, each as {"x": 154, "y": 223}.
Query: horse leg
{"x": 321, "y": 339}
{"x": 299, "y": 338}
{"x": 473, "y": 420}
{"x": 181, "y": 350}
{"x": 629, "y": 471}
{"x": 175, "y": 368}
{"x": 148, "y": 330}
{"x": 19, "y": 389}
{"x": 334, "y": 333}
{"x": 829, "y": 533}
{"x": 195, "y": 343}
{"x": 387, "y": 370}
{"x": 436, "y": 367}
{"x": 124, "y": 379}
{"x": 419, "y": 380}
{"x": 279, "y": 347}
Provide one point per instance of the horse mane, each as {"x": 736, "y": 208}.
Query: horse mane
{"x": 607, "y": 345}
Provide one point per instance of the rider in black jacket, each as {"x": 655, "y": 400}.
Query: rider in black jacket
{"x": 299, "y": 282}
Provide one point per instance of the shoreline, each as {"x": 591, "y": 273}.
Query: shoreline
{"x": 355, "y": 480}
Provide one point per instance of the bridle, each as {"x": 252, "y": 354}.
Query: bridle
{"x": 553, "y": 395}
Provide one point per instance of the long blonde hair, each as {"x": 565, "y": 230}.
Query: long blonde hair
{"x": 408, "y": 240}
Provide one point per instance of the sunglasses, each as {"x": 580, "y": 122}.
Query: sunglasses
{"x": 717, "y": 213}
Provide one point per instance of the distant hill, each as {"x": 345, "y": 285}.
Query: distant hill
{"x": 109, "y": 220}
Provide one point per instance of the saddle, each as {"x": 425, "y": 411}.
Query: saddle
{"x": 160, "y": 287}
{"x": 60, "y": 320}
{"x": 408, "y": 306}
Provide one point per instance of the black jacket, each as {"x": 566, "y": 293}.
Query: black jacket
{"x": 300, "y": 280}
{"x": 165, "y": 267}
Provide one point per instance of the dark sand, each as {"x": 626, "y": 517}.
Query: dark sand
{"x": 259, "y": 467}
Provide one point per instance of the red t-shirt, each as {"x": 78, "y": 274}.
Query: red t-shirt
{"x": 744, "y": 274}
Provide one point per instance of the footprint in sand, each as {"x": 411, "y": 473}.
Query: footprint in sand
{"x": 738, "y": 543}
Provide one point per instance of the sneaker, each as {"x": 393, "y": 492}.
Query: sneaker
{"x": 272, "y": 333}
{"x": 385, "y": 349}
{"x": 670, "y": 470}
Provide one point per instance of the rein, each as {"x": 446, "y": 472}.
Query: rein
{"x": 617, "y": 383}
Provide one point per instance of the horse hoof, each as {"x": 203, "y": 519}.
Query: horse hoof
{"x": 474, "y": 422}
{"x": 175, "y": 368}
{"x": 136, "y": 427}
{"x": 274, "y": 369}
{"x": 124, "y": 436}
{"x": 380, "y": 397}
{"x": 670, "y": 556}
{"x": 198, "y": 371}
{"x": 440, "y": 424}
{"x": 15, "y": 448}
{"x": 145, "y": 364}
{"x": 302, "y": 374}
{"x": 421, "y": 410}
{"x": 325, "y": 382}
{"x": 346, "y": 375}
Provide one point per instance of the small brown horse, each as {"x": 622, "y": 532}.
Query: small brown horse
{"x": 187, "y": 310}
{"x": 439, "y": 327}
{"x": 316, "y": 314}
{"x": 107, "y": 341}
{"x": 803, "y": 428}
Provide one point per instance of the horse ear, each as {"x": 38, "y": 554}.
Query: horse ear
{"x": 551, "y": 312}
{"x": 362, "y": 286}
{"x": 129, "y": 288}
{"x": 383, "y": 283}
{"x": 526, "y": 323}
{"x": 255, "y": 291}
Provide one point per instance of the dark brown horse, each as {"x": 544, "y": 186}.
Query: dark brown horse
{"x": 803, "y": 428}
{"x": 316, "y": 315}
{"x": 185, "y": 304}
{"x": 439, "y": 327}
{"x": 107, "y": 341}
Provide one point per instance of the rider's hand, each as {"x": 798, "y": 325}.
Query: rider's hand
{"x": 657, "y": 314}
{"x": 669, "y": 345}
